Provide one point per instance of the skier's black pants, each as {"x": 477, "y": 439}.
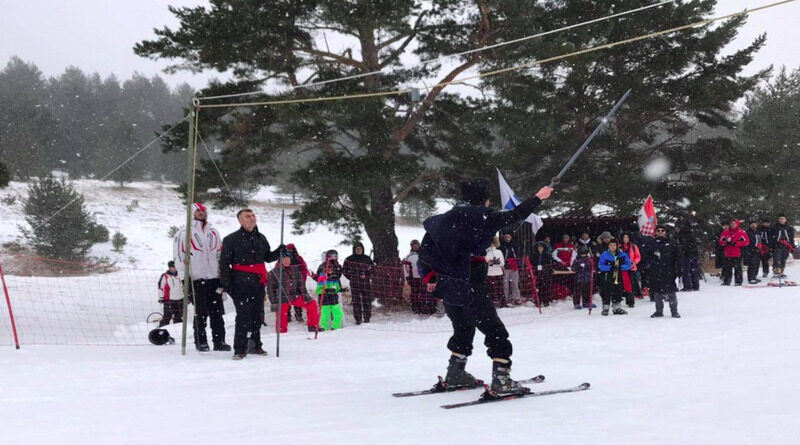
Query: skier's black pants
{"x": 691, "y": 273}
{"x": 732, "y": 264}
{"x": 362, "y": 302}
{"x": 765, "y": 264}
{"x": 611, "y": 293}
{"x": 753, "y": 261}
{"x": 672, "y": 300}
{"x": 482, "y": 315}
{"x": 636, "y": 288}
{"x": 249, "y": 303}
{"x": 207, "y": 304}
{"x": 173, "y": 311}
{"x": 779, "y": 258}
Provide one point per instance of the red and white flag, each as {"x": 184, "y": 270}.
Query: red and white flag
{"x": 647, "y": 218}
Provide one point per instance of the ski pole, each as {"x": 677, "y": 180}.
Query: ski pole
{"x": 602, "y": 126}
{"x": 280, "y": 293}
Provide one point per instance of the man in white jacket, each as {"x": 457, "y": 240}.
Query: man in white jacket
{"x": 205, "y": 248}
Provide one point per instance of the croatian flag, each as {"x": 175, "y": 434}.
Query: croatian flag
{"x": 509, "y": 200}
{"x": 647, "y": 218}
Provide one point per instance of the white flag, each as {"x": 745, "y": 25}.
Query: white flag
{"x": 509, "y": 200}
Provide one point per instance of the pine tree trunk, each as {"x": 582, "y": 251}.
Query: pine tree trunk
{"x": 381, "y": 227}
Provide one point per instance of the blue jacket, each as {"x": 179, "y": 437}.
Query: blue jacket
{"x": 607, "y": 261}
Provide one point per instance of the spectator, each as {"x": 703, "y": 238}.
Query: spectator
{"x": 512, "y": 256}
{"x": 298, "y": 261}
{"x": 719, "y": 257}
{"x": 614, "y": 265}
{"x": 542, "y": 263}
{"x": 328, "y": 288}
{"x": 421, "y": 301}
{"x": 564, "y": 252}
{"x": 586, "y": 240}
{"x": 602, "y": 243}
{"x": 548, "y": 244}
{"x": 633, "y": 252}
{"x": 782, "y": 244}
{"x": 494, "y": 277}
{"x": 732, "y": 241}
{"x": 752, "y": 254}
{"x": 205, "y": 289}
{"x": 293, "y": 292}
{"x": 243, "y": 275}
{"x": 663, "y": 265}
{"x": 359, "y": 268}
{"x": 170, "y": 294}
{"x": 764, "y": 242}
{"x": 690, "y": 254}
{"x": 582, "y": 284}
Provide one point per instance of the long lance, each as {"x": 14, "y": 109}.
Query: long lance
{"x": 602, "y": 126}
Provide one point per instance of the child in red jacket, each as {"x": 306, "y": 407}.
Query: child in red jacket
{"x": 732, "y": 240}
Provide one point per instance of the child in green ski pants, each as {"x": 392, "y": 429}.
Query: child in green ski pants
{"x": 328, "y": 287}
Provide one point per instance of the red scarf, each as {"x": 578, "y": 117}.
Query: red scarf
{"x": 259, "y": 268}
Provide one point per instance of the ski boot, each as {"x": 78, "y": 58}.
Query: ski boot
{"x": 457, "y": 377}
{"x": 502, "y": 384}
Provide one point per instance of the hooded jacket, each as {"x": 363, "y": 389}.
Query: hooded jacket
{"x": 733, "y": 240}
{"x": 292, "y": 283}
{"x": 358, "y": 268}
{"x": 205, "y": 248}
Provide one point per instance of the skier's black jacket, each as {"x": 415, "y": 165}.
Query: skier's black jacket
{"x": 662, "y": 263}
{"x": 454, "y": 237}
{"x": 358, "y": 268}
{"x": 687, "y": 240}
{"x": 540, "y": 259}
{"x": 782, "y": 232}
{"x": 243, "y": 247}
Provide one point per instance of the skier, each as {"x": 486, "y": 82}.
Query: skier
{"x": 752, "y": 254}
{"x": 454, "y": 268}
{"x": 243, "y": 275}
{"x": 663, "y": 265}
{"x": 733, "y": 239}
{"x": 782, "y": 245}
{"x": 359, "y": 268}
{"x": 298, "y": 261}
{"x": 205, "y": 289}
{"x": 421, "y": 302}
{"x": 170, "y": 294}
{"x": 328, "y": 288}
{"x": 292, "y": 287}
{"x": 615, "y": 279}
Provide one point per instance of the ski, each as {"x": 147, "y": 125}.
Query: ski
{"x": 771, "y": 284}
{"x": 486, "y": 397}
{"x": 440, "y": 387}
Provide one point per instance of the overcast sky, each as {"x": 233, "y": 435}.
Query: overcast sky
{"x": 98, "y": 35}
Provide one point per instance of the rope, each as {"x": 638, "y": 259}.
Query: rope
{"x": 149, "y": 144}
{"x": 211, "y": 157}
{"x": 450, "y": 56}
{"x": 505, "y": 70}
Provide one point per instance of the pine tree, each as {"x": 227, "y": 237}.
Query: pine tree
{"x": 58, "y": 230}
{"x": 5, "y": 175}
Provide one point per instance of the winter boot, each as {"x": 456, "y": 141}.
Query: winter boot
{"x": 298, "y": 314}
{"x": 203, "y": 347}
{"x": 676, "y": 315}
{"x": 258, "y": 351}
{"x": 657, "y": 315}
{"x": 502, "y": 384}
{"x": 222, "y": 346}
{"x": 605, "y": 309}
{"x": 239, "y": 356}
{"x": 457, "y": 376}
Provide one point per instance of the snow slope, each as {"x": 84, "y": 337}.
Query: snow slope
{"x": 722, "y": 374}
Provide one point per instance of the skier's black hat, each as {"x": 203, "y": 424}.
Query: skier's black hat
{"x": 476, "y": 191}
{"x": 171, "y": 264}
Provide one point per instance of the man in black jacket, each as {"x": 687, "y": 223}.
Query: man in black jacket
{"x": 243, "y": 275}
{"x": 663, "y": 264}
{"x": 782, "y": 245}
{"x": 359, "y": 268}
{"x": 690, "y": 253}
{"x": 764, "y": 242}
{"x": 752, "y": 255}
{"x": 513, "y": 259}
{"x": 452, "y": 258}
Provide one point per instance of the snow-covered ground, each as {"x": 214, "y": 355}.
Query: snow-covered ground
{"x": 722, "y": 374}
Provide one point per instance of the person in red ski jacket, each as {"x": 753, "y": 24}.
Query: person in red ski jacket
{"x": 733, "y": 239}
{"x": 298, "y": 261}
{"x": 630, "y": 248}
{"x": 564, "y": 252}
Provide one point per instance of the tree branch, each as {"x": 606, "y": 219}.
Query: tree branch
{"x": 327, "y": 55}
{"x": 423, "y": 177}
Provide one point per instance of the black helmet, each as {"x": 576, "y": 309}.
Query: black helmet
{"x": 160, "y": 337}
